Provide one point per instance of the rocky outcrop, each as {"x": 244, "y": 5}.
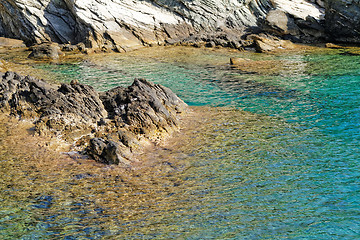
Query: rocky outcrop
{"x": 123, "y": 25}
{"x": 130, "y": 24}
{"x": 46, "y": 51}
{"x": 114, "y": 124}
{"x": 279, "y": 23}
{"x": 343, "y": 20}
{"x": 298, "y": 27}
{"x": 11, "y": 43}
{"x": 66, "y": 109}
{"x": 267, "y": 43}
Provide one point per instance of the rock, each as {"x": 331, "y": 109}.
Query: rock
{"x": 68, "y": 47}
{"x": 120, "y": 118}
{"x": 264, "y": 46}
{"x": 11, "y": 43}
{"x": 126, "y": 24}
{"x": 311, "y": 30}
{"x": 237, "y": 61}
{"x": 109, "y": 152}
{"x": 279, "y": 23}
{"x": 300, "y": 9}
{"x": 342, "y": 20}
{"x": 62, "y": 110}
{"x": 265, "y": 43}
{"x": 143, "y": 105}
{"x": 331, "y": 45}
{"x": 46, "y": 51}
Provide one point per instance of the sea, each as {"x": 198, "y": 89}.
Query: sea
{"x": 268, "y": 150}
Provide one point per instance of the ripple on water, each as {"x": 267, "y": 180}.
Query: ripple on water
{"x": 286, "y": 168}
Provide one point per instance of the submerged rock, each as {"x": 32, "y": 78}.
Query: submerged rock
{"x": 121, "y": 118}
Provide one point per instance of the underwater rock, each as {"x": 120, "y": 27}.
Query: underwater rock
{"x": 123, "y": 117}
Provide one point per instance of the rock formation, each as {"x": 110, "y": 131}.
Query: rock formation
{"x": 127, "y": 24}
{"x": 123, "y": 25}
{"x": 115, "y": 124}
{"x": 130, "y": 24}
{"x": 343, "y": 20}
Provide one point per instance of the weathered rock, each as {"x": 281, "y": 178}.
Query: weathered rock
{"x": 143, "y": 106}
{"x": 109, "y": 152}
{"x": 279, "y": 23}
{"x": 265, "y": 43}
{"x": 121, "y": 116}
{"x": 332, "y": 45}
{"x": 46, "y": 51}
{"x": 342, "y": 20}
{"x": 301, "y": 9}
{"x": 123, "y": 25}
{"x": 64, "y": 109}
{"x": 11, "y": 43}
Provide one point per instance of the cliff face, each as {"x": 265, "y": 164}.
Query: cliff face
{"x": 343, "y": 20}
{"x": 128, "y": 24}
{"x": 123, "y": 23}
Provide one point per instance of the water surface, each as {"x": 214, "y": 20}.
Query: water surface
{"x": 266, "y": 154}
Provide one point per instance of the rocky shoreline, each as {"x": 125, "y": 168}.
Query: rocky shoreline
{"x": 111, "y": 127}
{"x": 102, "y": 26}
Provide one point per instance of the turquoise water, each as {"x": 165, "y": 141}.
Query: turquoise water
{"x": 274, "y": 155}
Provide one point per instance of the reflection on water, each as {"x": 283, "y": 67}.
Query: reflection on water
{"x": 287, "y": 167}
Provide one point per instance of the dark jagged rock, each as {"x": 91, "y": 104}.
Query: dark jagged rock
{"x": 61, "y": 109}
{"x": 121, "y": 118}
{"x": 123, "y": 25}
{"x": 342, "y": 20}
{"x": 285, "y": 26}
{"x": 109, "y": 152}
{"x": 143, "y": 105}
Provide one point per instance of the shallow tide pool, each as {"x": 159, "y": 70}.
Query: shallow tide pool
{"x": 270, "y": 151}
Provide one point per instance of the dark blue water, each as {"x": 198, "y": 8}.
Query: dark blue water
{"x": 274, "y": 155}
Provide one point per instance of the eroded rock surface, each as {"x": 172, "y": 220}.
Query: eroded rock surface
{"x": 114, "y": 124}
{"x": 123, "y": 25}
{"x": 343, "y": 20}
{"x": 46, "y": 51}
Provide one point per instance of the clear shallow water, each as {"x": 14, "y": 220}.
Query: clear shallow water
{"x": 287, "y": 168}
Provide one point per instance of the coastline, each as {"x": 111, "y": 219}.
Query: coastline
{"x": 248, "y": 65}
